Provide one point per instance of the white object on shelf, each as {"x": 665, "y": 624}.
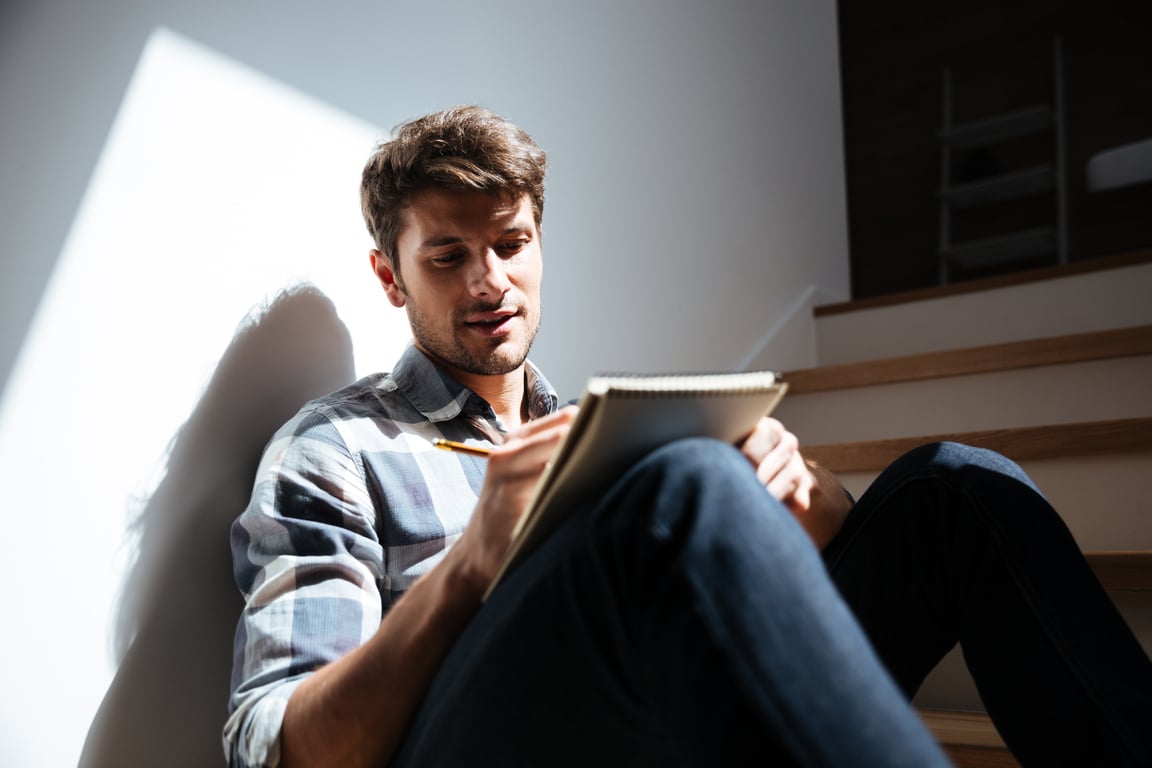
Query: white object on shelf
{"x": 1120, "y": 166}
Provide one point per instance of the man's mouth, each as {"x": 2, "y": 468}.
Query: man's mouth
{"x": 490, "y": 323}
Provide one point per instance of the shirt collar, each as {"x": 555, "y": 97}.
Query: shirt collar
{"x": 439, "y": 397}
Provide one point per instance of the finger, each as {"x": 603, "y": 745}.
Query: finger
{"x": 527, "y": 453}
{"x": 762, "y": 440}
{"x": 777, "y": 460}
{"x": 799, "y": 500}
{"x": 790, "y": 479}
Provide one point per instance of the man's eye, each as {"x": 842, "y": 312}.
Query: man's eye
{"x": 447, "y": 259}
{"x": 513, "y": 246}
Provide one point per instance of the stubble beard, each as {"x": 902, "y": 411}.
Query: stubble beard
{"x": 451, "y": 351}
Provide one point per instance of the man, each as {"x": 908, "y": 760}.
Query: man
{"x": 683, "y": 617}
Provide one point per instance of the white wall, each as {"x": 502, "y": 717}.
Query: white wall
{"x": 696, "y": 179}
{"x": 695, "y": 196}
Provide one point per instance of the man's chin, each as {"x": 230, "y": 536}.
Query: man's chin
{"x": 499, "y": 363}
{"x": 492, "y": 362}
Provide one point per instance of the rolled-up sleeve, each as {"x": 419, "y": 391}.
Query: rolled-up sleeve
{"x": 307, "y": 558}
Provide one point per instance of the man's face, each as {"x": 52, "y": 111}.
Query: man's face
{"x": 469, "y": 276}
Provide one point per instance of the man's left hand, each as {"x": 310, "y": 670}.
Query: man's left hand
{"x": 810, "y": 492}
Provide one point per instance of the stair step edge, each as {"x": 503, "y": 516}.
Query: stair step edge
{"x": 1017, "y": 443}
{"x": 1122, "y": 570}
{"x": 1054, "y": 350}
{"x": 957, "y": 727}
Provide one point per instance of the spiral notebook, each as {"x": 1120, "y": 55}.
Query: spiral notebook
{"x": 624, "y": 417}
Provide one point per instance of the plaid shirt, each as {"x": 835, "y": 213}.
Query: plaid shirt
{"x": 351, "y": 504}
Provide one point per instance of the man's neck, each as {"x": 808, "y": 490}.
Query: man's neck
{"x": 505, "y": 393}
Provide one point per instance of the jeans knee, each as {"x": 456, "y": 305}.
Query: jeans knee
{"x": 690, "y": 465}
{"x": 975, "y": 482}
{"x": 959, "y": 462}
{"x": 703, "y": 480}
{"x": 692, "y": 454}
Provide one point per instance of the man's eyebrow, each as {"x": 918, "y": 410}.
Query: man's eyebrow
{"x": 515, "y": 228}
{"x": 438, "y": 240}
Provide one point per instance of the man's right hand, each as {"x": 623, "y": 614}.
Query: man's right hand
{"x": 514, "y": 468}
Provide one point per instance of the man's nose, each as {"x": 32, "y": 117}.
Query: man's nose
{"x": 490, "y": 276}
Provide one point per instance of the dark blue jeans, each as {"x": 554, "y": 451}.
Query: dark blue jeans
{"x": 686, "y": 619}
{"x": 954, "y": 544}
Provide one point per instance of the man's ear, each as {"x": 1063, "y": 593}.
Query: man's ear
{"x": 388, "y": 278}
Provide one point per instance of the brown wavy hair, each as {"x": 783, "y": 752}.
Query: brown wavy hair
{"x": 463, "y": 148}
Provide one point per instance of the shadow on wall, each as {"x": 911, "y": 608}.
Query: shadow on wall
{"x": 179, "y": 607}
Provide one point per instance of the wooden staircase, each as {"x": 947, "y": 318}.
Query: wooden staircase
{"x": 1064, "y": 391}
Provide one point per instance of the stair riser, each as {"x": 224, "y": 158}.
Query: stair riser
{"x": 1090, "y": 302}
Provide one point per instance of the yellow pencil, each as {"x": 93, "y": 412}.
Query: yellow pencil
{"x": 452, "y": 445}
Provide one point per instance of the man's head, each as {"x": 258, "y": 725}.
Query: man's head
{"x": 460, "y": 149}
{"x": 454, "y": 202}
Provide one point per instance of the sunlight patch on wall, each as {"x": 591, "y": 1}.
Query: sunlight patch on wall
{"x": 217, "y": 187}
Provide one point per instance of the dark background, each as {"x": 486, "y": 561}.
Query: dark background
{"x": 893, "y": 58}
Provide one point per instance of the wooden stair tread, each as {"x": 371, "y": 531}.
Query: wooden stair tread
{"x": 969, "y": 738}
{"x": 972, "y": 729}
{"x": 1122, "y": 570}
{"x": 1019, "y": 443}
{"x": 980, "y": 757}
{"x": 1056, "y": 350}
